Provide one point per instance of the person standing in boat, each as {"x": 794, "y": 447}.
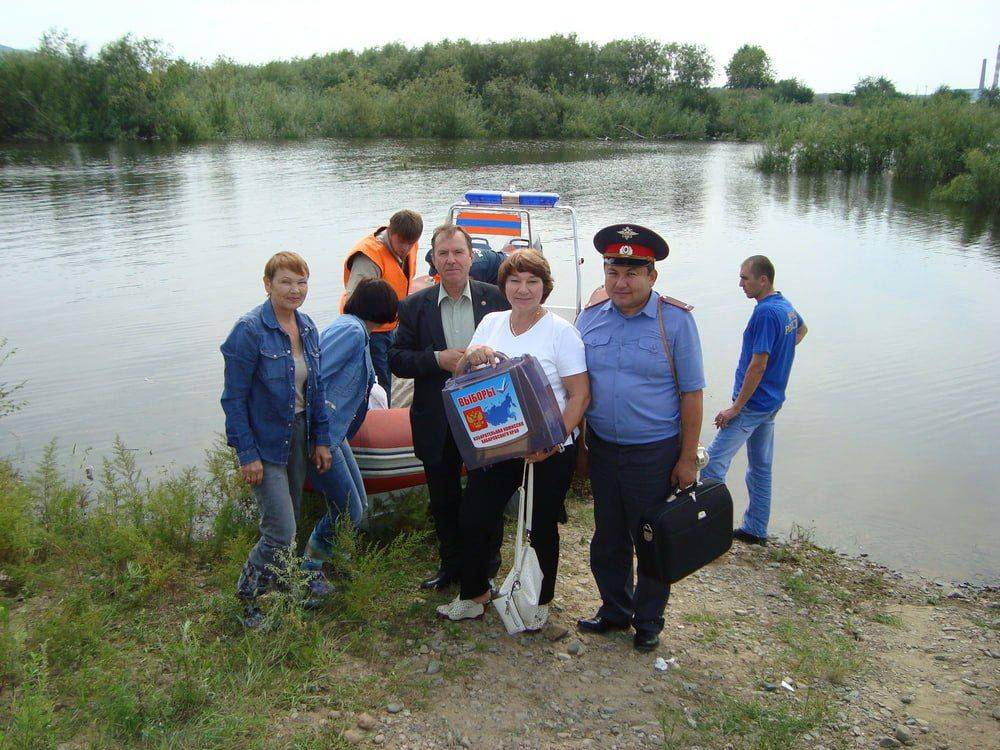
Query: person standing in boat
{"x": 348, "y": 379}
{"x": 435, "y": 326}
{"x": 275, "y": 416}
{"x": 769, "y": 342}
{"x": 642, "y": 435}
{"x": 527, "y": 328}
{"x": 388, "y": 253}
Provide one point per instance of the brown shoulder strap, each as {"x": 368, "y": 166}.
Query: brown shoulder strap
{"x": 677, "y": 303}
{"x": 598, "y": 296}
{"x": 666, "y": 348}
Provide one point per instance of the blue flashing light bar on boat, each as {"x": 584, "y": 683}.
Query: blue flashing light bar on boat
{"x": 501, "y": 198}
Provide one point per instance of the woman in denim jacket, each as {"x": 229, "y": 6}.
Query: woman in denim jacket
{"x": 348, "y": 376}
{"x": 275, "y": 417}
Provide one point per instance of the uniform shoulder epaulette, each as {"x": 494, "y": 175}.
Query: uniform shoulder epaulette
{"x": 598, "y": 297}
{"x": 677, "y": 303}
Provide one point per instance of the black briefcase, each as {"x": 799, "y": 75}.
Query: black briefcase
{"x": 690, "y": 530}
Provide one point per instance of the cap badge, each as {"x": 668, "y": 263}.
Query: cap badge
{"x": 627, "y": 233}
{"x": 625, "y": 250}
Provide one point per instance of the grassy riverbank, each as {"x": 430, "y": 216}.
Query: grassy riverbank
{"x": 554, "y": 88}
{"x": 940, "y": 141}
{"x": 118, "y": 629}
{"x": 558, "y": 87}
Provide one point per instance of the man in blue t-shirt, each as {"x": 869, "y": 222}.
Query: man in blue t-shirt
{"x": 769, "y": 342}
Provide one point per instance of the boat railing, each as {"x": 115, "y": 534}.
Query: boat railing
{"x": 521, "y": 205}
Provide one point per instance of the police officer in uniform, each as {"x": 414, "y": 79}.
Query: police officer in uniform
{"x": 642, "y": 437}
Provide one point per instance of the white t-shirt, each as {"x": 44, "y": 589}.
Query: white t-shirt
{"x": 555, "y": 343}
{"x": 378, "y": 399}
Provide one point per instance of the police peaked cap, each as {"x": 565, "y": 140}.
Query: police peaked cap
{"x": 630, "y": 244}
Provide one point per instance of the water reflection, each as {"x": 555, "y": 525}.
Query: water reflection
{"x": 866, "y": 198}
{"x": 975, "y": 225}
{"x": 462, "y": 154}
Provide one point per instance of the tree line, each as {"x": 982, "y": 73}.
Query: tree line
{"x": 559, "y": 87}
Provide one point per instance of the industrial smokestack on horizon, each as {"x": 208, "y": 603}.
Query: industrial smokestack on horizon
{"x": 982, "y": 77}
{"x": 996, "y": 69}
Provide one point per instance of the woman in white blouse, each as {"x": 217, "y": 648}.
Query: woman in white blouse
{"x": 527, "y": 328}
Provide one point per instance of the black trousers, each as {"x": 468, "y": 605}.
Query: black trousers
{"x": 627, "y": 481}
{"x": 485, "y": 498}
{"x": 444, "y": 490}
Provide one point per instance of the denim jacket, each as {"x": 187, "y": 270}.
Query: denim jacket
{"x": 259, "y": 393}
{"x": 347, "y": 374}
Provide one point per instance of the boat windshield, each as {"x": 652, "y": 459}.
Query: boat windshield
{"x": 537, "y": 220}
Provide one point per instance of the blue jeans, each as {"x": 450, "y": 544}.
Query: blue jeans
{"x": 756, "y": 429}
{"x": 279, "y": 498}
{"x": 378, "y": 345}
{"x": 344, "y": 490}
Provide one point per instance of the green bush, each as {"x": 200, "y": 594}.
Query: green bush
{"x": 980, "y": 185}
{"x": 941, "y": 141}
{"x": 8, "y": 404}
{"x": 354, "y": 108}
{"x": 71, "y": 633}
{"x": 377, "y": 575}
{"x": 517, "y": 109}
{"x": 675, "y": 122}
{"x": 30, "y": 723}
{"x": 11, "y": 667}
{"x": 439, "y": 106}
{"x": 117, "y": 644}
{"x": 559, "y": 87}
{"x": 871, "y": 90}
{"x": 775, "y": 158}
{"x": 61, "y": 505}
{"x": 792, "y": 90}
{"x": 21, "y": 535}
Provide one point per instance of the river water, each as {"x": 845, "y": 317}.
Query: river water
{"x": 126, "y": 266}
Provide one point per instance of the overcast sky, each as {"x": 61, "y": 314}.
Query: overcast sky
{"x": 829, "y": 45}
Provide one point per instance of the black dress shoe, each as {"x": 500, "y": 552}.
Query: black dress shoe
{"x": 645, "y": 641}
{"x": 439, "y": 582}
{"x": 600, "y": 624}
{"x": 747, "y": 538}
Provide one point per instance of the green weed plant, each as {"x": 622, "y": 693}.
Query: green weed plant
{"x": 119, "y": 628}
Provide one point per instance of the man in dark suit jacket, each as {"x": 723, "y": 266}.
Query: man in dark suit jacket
{"x": 435, "y": 326}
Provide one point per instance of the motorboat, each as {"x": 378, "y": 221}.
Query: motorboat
{"x": 383, "y": 447}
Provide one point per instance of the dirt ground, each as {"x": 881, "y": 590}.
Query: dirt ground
{"x": 788, "y": 646}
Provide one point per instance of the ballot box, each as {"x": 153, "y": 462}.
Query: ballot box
{"x": 507, "y": 410}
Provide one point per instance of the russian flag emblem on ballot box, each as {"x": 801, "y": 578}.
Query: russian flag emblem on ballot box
{"x": 504, "y": 411}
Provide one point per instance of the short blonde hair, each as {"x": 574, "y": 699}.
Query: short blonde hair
{"x": 526, "y": 261}
{"x": 285, "y": 259}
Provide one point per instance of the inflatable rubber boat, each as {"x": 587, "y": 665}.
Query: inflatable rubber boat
{"x": 383, "y": 447}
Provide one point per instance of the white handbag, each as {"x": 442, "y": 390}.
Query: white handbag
{"x": 517, "y": 601}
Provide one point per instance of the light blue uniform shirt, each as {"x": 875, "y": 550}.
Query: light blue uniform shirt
{"x": 633, "y": 399}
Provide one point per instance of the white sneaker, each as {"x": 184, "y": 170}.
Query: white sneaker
{"x": 461, "y": 609}
{"x": 541, "y": 617}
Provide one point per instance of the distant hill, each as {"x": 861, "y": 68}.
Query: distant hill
{"x": 4, "y": 49}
